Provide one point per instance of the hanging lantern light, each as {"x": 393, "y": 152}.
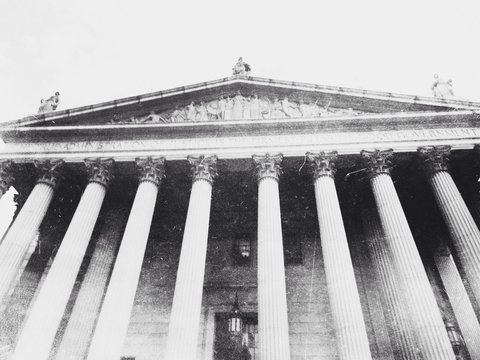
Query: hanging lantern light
{"x": 235, "y": 322}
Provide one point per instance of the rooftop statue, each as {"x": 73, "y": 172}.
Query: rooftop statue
{"x": 441, "y": 88}
{"x": 241, "y": 67}
{"x": 50, "y": 104}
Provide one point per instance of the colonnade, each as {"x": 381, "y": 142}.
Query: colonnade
{"x": 419, "y": 324}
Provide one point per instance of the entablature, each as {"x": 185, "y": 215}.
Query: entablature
{"x": 348, "y": 135}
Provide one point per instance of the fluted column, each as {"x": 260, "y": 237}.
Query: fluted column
{"x": 272, "y": 296}
{"x": 6, "y": 176}
{"x": 116, "y": 310}
{"x": 424, "y": 313}
{"x": 41, "y": 326}
{"x": 462, "y": 308}
{"x": 17, "y": 241}
{"x": 347, "y": 314}
{"x": 402, "y": 335}
{"x": 79, "y": 330}
{"x": 187, "y": 300}
{"x": 461, "y": 226}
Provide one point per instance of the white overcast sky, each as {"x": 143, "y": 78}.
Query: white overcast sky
{"x": 93, "y": 51}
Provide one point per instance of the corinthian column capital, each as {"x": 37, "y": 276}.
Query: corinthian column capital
{"x": 377, "y": 161}
{"x": 477, "y": 148}
{"x": 6, "y": 176}
{"x": 323, "y": 163}
{"x": 48, "y": 170}
{"x": 203, "y": 167}
{"x": 100, "y": 171}
{"x": 268, "y": 166}
{"x": 151, "y": 169}
{"x": 435, "y": 158}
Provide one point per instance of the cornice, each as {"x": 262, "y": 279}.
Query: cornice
{"x": 365, "y": 122}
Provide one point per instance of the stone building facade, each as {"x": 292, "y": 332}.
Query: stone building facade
{"x": 343, "y": 221}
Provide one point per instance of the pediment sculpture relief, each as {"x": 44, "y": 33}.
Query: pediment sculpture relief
{"x": 238, "y": 107}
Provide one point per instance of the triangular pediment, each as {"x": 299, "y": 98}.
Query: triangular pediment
{"x": 240, "y": 98}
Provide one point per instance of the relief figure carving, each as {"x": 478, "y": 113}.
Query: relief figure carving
{"x": 238, "y": 107}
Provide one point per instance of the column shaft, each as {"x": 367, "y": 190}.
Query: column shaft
{"x": 430, "y": 329}
{"x": 41, "y": 326}
{"x": 463, "y": 230}
{"x": 342, "y": 289}
{"x": 187, "y": 300}
{"x": 272, "y": 300}
{"x": 16, "y": 243}
{"x": 78, "y": 333}
{"x": 401, "y": 328}
{"x": 462, "y": 308}
{"x": 112, "y": 325}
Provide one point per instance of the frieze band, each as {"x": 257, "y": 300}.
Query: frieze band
{"x": 349, "y": 142}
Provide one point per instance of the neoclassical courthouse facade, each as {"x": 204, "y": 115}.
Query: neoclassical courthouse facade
{"x": 244, "y": 218}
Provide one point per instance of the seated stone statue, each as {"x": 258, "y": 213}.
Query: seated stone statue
{"x": 441, "y": 88}
{"x": 241, "y": 68}
{"x": 50, "y": 104}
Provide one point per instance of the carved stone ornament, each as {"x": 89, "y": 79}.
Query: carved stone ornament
{"x": 435, "y": 158}
{"x": 151, "y": 169}
{"x": 100, "y": 170}
{"x": 378, "y": 161}
{"x": 268, "y": 166}
{"x": 203, "y": 167}
{"x": 48, "y": 170}
{"x": 241, "y": 68}
{"x": 235, "y": 106}
{"x": 323, "y": 164}
{"x": 6, "y": 176}
{"x": 442, "y": 88}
